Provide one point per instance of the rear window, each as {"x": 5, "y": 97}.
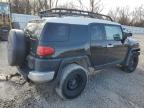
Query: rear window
{"x": 34, "y": 29}
{"x": 56, "y": 32}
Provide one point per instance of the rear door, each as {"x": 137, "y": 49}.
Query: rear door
{"x": 98, "y": 44}
{"x": 116, "y": 49}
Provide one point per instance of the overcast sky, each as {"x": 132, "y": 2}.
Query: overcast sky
{"x": 111, "y": 4}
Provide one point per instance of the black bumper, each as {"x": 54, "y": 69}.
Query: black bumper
{"x": 43, "y": 65}
{"x": 39, "y": 70}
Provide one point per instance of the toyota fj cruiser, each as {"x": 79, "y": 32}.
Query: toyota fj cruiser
{"x": 65, "y": 43}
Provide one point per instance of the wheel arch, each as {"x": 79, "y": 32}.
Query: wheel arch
{"x": 131, "y": 51}
{"x": 82, "y": 61}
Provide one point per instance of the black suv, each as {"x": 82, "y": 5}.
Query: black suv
{"x": 63, "y": 46}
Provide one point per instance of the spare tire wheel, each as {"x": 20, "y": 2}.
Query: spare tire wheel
{"x": 16, "y": 47}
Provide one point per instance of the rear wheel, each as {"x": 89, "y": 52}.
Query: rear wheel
{"x": 132, "y": 64}
{"x": 73, "y": 81}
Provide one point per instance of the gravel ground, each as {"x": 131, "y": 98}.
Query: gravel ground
{"x": 109, "y": 88}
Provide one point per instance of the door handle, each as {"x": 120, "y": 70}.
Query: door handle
{"x": 109, "y": 45}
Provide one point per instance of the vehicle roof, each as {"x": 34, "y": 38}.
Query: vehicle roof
{"x": 77, "y": 20}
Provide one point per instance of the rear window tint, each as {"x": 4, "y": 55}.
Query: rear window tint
{"x": 55, "y": 32}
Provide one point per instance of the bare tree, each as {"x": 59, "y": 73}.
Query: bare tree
{"x": 51, "y": 3}
{"x": 69, "y": 5}
{"x": 27, "y": 7}
{"x": 121, "y": 15}
{"x": 56, "y": 3}
{"x": 41, "y": 4}
{"x": 18, "y": 6}
{"x": 82, "y": 5}
{"x": 126, "y": 17}
{"x": 138, "y": 16}
{"x": 113, "y": 15}
{"x": 32, "y": 6}
{"x": 94, "y": 6}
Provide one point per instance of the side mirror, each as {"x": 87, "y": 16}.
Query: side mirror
{"x": 127, "y": 35}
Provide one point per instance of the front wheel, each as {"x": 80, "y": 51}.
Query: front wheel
{"x": 73, "y": 81}
{"x": 132, "y": 64}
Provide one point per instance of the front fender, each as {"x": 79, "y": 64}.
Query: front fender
{"x": 132, "y": 51}
{"x": 133, "y": 43}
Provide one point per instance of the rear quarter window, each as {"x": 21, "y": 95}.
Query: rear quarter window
{"x": 97, "y": 32}
{"x": 54, "y": 32}
{"x": 34, "y": 29}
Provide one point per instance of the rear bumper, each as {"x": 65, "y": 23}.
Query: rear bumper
{"x": 41, "y": 70}
{"x": 41, "y": 77}
{"x": 43, "y": 65}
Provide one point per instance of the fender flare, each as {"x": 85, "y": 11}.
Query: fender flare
{"x": 132, "y": 51}
{"x": 83, "y": 61}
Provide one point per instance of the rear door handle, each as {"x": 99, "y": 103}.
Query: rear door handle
{"x": 109, "y": 45}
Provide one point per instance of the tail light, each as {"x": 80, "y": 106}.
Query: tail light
{"x": 45, "y": 51}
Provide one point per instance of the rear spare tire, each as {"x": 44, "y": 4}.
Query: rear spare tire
{"x": 16, "y": 47}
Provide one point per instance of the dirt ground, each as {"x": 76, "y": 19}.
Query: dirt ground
{"x": 109, "y": 88}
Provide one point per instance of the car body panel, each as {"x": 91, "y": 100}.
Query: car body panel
{"x": 78, "y": 48}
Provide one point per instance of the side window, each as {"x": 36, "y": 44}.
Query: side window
{"x": 113, "y": 32}
{"x": 97, "y": 32}
{"x": 56, "y": 32}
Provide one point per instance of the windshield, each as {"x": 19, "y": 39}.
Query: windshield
{"x": 34, "y": 29}
{"x": 4, "y": 8}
